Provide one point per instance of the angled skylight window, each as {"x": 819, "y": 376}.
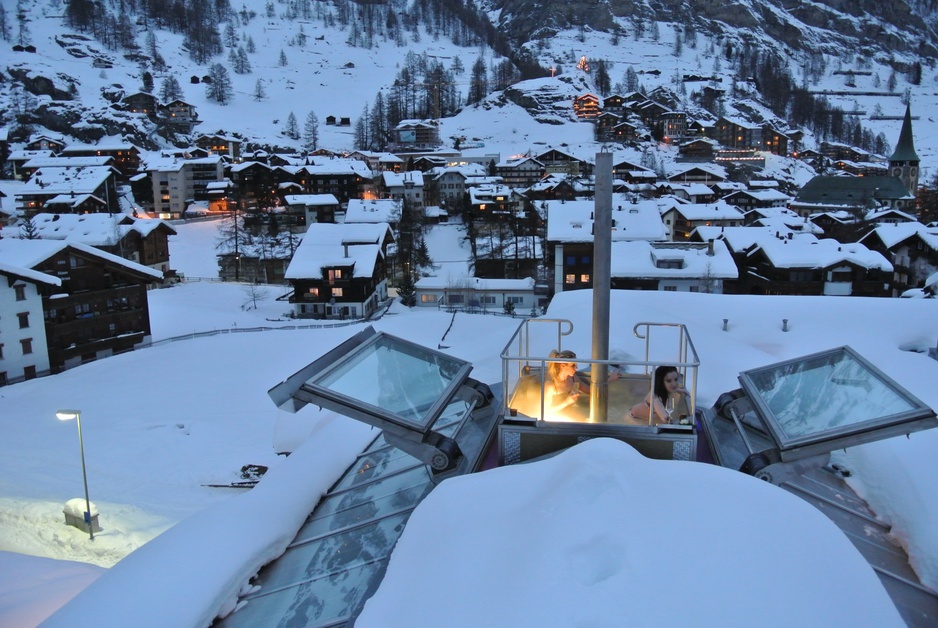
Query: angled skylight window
{"x": 829, "y": 400}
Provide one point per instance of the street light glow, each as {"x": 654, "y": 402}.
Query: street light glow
{"x": 68, "y": 415}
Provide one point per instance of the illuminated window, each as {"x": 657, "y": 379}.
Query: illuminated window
{"x": 337, "y": 292}
{"x": 428, "y": 298}
{"x": 571, "y": 278}
{"x": 584, "y": 278}
{"x": 313, "y": 292}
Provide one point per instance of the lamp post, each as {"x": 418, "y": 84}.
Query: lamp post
{"x": 68, "y": 415}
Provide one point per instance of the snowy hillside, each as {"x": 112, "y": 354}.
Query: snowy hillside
{"x": 327, "y": 64}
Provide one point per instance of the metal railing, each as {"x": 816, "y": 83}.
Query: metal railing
{"x": 527, "y": 355}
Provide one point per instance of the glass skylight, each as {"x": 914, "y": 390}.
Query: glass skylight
{"x": 827, "y": 396}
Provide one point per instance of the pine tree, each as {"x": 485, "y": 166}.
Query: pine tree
{"x": 291, "y": 129}
{"x": 241, "y": 63}
{"x": 219, "y": 89}
{"x": 407, "y": 291}
{"x": 170, "y": 90}
{"x": 478, "y": 83}
{"x": 29, "y": 230}
{"x": 251, "y": 48}
{"x": 147, "y": 80}
{"x": 311, "y": 132}
{"x": 4, "y": 24}
{"x": 259, "y": 93}
{"x": 283, "y": 58}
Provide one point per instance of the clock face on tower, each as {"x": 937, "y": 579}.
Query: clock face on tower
{"x": 897, "y": 172}
{"x": 914, "y": 172}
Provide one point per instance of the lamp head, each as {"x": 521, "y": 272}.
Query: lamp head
{"x": 67, "y": 415}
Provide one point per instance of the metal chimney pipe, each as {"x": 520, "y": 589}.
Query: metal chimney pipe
{"x": 602, "y": 277}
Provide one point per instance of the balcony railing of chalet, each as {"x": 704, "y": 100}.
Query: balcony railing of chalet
{"x": 526, "y": 357}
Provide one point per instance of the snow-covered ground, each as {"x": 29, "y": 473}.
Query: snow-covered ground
{"x": 161, "y": 423}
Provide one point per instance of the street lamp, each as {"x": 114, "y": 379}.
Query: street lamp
{"x": 68, "y": 415}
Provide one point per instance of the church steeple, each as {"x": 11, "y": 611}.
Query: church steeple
{"x": 904, "y": 161}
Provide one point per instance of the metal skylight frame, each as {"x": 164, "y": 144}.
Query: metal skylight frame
{"x": 907, "y": 413}
{"x": 335, "y": 381}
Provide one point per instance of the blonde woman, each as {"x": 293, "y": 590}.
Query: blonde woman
{"x": 562, "y": 388}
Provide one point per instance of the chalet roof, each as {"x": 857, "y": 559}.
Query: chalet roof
{"x": 61, "y": 162}
{"x": 739, "y": 239}
{"x": 877, "y": 215}
{"x": 693, "y": 189}
{"x": 26, "y": 155}
{"x": 309, "y": 260}
{"x": 711, "y": 169}
{"x": 401, "y": 179}
{"x": 328, "y": 245}
{"x": 247, "y": 165}
{"x": 72, "y": 200}
{"x": 336, "y": 166}
{"x": 106, "y": 144}
{"x": 328, "y": 233}
{"x": 572, "y": 221}
{"x": 95, "y": 229}
{"x": 218, "y": 136}
{"x": 448, "y": 171}
{"x": 891, "y": 235}
{"x": 487, "y": 192}
{"x": 765, "y": 195}
{"x": 719, "y": 210}
{"x": 514, "y": 162}
{"x": 637, "y": 259}
{"x": 806, "y": 251}
{"x": 905, "y": 147}
{"x": 51, "y": 181}
{"x": 385, "y": 210}
{"x": 28, "y": 254}
{"x": 311, "y": 200}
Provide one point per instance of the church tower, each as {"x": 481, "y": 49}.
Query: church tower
{"x": 904, "y": 161}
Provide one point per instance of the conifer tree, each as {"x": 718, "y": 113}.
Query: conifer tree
{"x": 219, "y": 88}
{"x": 170, "y": 90}
{"x": 311, "y": 131}
{"x": 259, "y": 93}
{"x": 291, "y": 129}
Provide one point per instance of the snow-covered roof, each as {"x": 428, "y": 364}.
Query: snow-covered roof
{"x": 310, "y": 200}
{"x": 328, "y": 245}
{"x": 401, "y": 179}
{"x": 892, "y": 234}
{"x": 94, "y": 229}
{"x": 58, "y": 180}
{"x": 572, "y": 221}
{"x": 61, "y": 162}
{"x": 806, "y": 251}
{"x": 719, "y": 210}
{"x": 327, "y": 233}
{"x": 638, "y": 259}
{"x": 30, "y": 253}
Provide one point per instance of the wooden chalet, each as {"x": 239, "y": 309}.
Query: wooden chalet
{"x": 93, "y": 304}
{"x": 339, "y": 271}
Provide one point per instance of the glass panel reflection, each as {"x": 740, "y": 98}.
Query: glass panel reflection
{"x": 377, "y": 499}
{"x": 324, "y": 567}
{"x": 397, "y": 377}
{"x": 828, "y": 392}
